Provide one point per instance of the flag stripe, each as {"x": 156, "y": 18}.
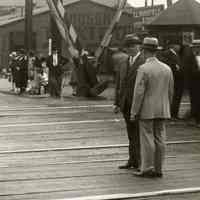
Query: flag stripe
{"x": 63, "y": 29}
{"x": 108, "y": 35}
{"x": 61, "y": 9}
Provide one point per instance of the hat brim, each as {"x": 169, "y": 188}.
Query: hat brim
{"x": 129, "y": 42}
{"x": 151, "y": 47}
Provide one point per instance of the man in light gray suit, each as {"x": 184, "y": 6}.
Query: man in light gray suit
{"x": 151, "y": 106}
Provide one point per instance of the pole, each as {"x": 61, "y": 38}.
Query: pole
{"x": 55, "y": 35}
{"x": 56, "y": 45}
{"x": 28, "y": 39}
{"x": 146, "y": 3}
{"x": 28, "y": 42}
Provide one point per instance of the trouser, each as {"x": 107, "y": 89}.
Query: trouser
{"x": 152, "y": 144}
{"x": 178, "y": 93}
{"x": 55, "y": 86}
{"x": 195, "y": 100}
{"x": 134, "y": 142}
{"x": 98, "y": 88}
{"x": 87, "y": 91}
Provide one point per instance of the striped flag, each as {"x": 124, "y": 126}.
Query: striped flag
{"x": 109, "y": 33}
{"x": 57, "y": 11}
{"x": 61, "y": 9}
{"x": 73, "y": 33}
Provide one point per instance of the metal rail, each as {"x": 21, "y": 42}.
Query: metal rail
{"x": 92, "y": 147}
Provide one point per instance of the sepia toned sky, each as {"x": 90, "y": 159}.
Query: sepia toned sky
{"x": 142, "y": 2}
{"x": 135, "y": 3}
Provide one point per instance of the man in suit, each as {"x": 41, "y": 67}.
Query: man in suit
{"x": 56, "y": 63}
{"x": 192, "y": 80}
{"x": 85, "y": 78}
{"x": 172, "y": 59}
{"x": 127, "y": 63}
{"x": 153, "y": 94}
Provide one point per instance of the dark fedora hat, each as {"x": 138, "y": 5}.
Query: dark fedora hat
{"x": 131, "y": 39}
{"x": 150, "y": 43}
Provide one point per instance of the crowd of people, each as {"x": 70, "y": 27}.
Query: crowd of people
{"x": 27, "y": 73}
{"x": 150, "y": 83}
{"x": 39, "y": 74}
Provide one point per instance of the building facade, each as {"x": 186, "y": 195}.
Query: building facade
{"x": 89, "y": 18}
{"x": 145, "y": 15}
{"x": 180, "y": 22}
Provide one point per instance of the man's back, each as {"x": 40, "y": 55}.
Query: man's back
{"x": 154, "y": 88}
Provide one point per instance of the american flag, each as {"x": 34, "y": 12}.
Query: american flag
{"x": 109, "y": 33}
{"x": 67, "y": 31}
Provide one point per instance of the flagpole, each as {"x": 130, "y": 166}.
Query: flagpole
{"x": 109, "y": 32}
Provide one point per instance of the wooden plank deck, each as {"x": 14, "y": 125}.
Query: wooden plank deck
{"x": 58, "y": 160}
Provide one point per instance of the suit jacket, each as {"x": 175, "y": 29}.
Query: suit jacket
{"x": 56, "y": 71}
{"x": 153, "y": 91}
{"x": 173, "y": 61}
{"x": 120, "y": 61}
{"x": 127, "y": 97}
{"x": 126, "y": 81}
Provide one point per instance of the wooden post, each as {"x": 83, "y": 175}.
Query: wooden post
{"x": 152, "y": 3}
{"x": 169, "y": 3}
{"x": 146, "y": 3}
{"x": 28, "y": 42}
{"x": 55, "y": 35}
{"x": 56, "y": 40}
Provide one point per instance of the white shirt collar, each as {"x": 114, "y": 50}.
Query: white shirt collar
{"x": 151, "y": 59}
{"x": 174, "y": 52}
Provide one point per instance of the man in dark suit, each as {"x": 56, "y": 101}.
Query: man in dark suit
{"x": 127, "y": 63}
{"x": 86, "y": 81}
{"x": 55, "y": 62}
{"x": 21, "y": 70}
{"x": 192, "y": 80}
{"x": 171, "y": 57}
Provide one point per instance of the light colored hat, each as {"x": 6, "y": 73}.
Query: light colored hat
{"x": 13, "y": 54}
{"x": 150, "y": 43}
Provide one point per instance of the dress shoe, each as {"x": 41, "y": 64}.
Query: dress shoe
{"x": 148, "y": 174}
{"x": 198, "y": 125}
{"x": 157, "y": 175}
{"x": 127, "y": 166}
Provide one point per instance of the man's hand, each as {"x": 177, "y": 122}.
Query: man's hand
{"x": 116, "y": 109}
{"x": 177, "y": 67}
{"x": 133, "y": 118}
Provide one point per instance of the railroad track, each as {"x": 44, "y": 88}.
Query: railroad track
{"x": 45, "y": 156}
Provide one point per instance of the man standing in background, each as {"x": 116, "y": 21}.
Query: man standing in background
{"x": 126, "y": 63}
{"x": 171, "y": 57}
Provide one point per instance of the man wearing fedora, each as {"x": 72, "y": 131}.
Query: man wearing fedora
{"x": 127, "y": 63}
{"x": 152, "y": 97}
{"x": 172, "y": 59}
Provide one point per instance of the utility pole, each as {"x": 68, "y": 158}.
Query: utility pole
{"x": 146, "y": 3}
{"x": 169, "y": 3}
{"x": 55, "y": 35}
{"x": 28, "y": 42}
{"x": 55, "y": 78}
{"x": 152, "y": 3}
